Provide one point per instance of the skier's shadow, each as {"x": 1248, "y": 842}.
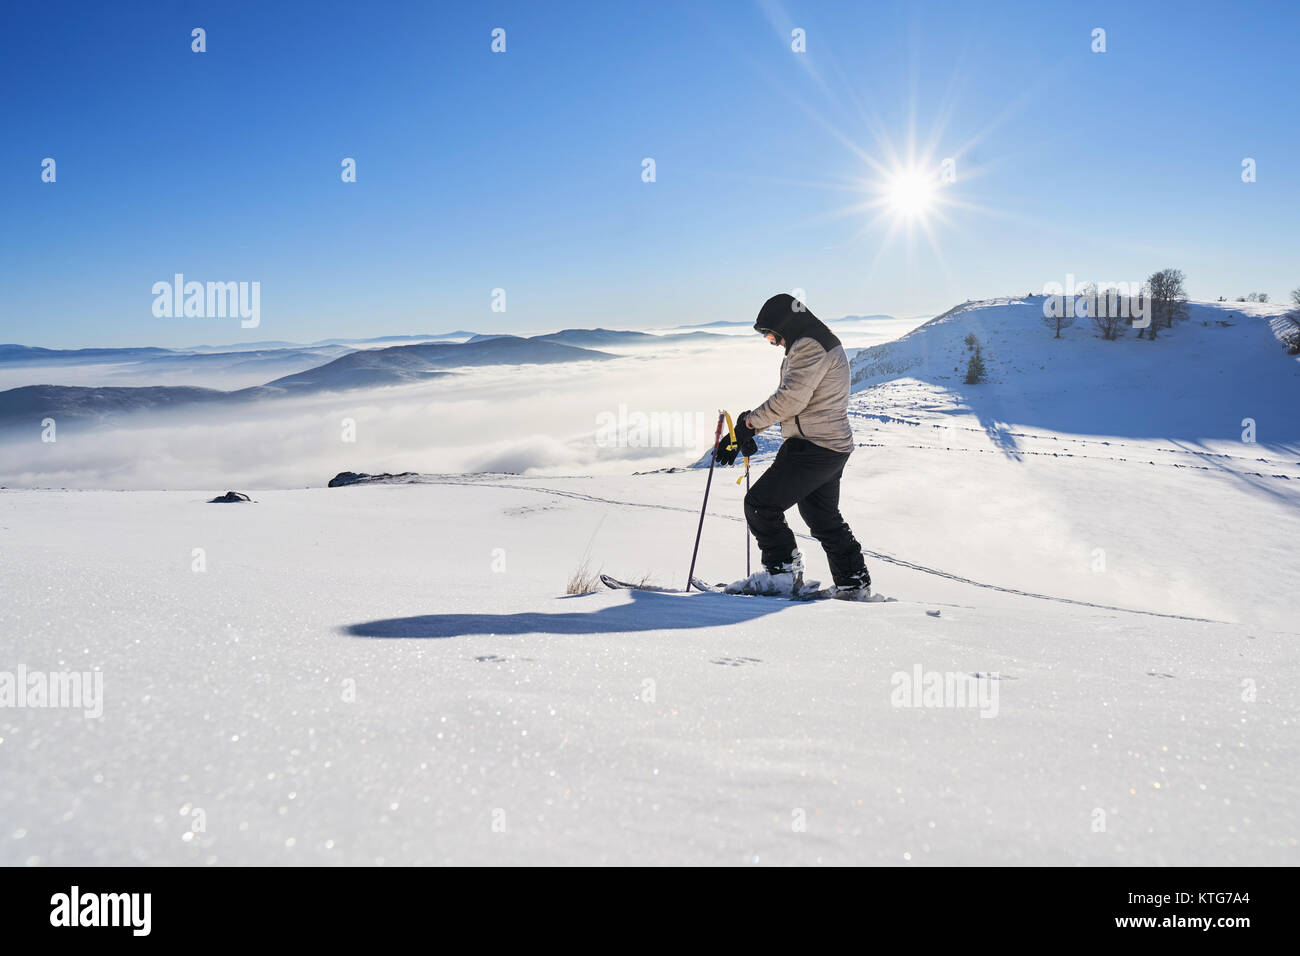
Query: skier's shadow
{"x": 647, "y": 611}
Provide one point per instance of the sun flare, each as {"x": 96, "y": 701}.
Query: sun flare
{"x": 910, "y": 193}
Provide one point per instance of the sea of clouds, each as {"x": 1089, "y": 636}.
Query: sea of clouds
{"x": 534, "y": 420}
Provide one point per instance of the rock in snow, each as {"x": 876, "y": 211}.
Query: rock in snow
{"x": 229, "y": 496}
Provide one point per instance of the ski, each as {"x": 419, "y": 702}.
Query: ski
{"x": 828, "y": 594}
{"x": 811, "y": 594}
{"x": 764, "y": 584}
{"x": 809, "y": 591}
{"x": 617, "y": 585}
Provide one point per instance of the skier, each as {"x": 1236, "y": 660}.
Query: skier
{"x": 811, "y": 406}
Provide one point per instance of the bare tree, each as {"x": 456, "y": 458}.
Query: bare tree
{"x": 1108, "y": 312}
{"x": 1168, "y": 299}
{"x": 1055, "y": 317}
{"x": 1145, "y": 292}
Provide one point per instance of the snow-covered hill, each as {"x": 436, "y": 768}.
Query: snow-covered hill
{"x": 1195, "y": 382}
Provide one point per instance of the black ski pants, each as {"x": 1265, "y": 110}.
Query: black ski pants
{"x": 807, "y": 475}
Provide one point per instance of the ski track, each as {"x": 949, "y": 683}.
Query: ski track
{"x": 1065, "y": 454}
{"x": 879, "y": 556}
{"x": 895, "y": 420}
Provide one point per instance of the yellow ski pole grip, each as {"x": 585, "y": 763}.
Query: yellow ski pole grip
{"x": 731, "y": 430}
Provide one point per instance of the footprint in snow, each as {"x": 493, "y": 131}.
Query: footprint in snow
{"x": 736, "y": 661}
{"x": 524, "y": 510}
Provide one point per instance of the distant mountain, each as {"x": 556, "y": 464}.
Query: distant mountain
{"x": 348, "y": 342}
{"x": 712, "y": 325}
{"x": 140, "y": 367}
{"x": 31, "y": 403}
{"x": 614, "y": 337}
{"x": 458, "y": 336}
{"x": 38, "y": 356}
{"x": 586, "y": 337}
{"x": 227, "y": 370}
{"x": 244, "y": 359}
{"x": 692, "y": 336}
{"x": 27, "y": 405}
{"x": 749, "y": 325}
{"x": 403, "y": 364}
{"x": 244, "y": 347}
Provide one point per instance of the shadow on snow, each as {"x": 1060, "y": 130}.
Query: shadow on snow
{"x": 647, "y": 611}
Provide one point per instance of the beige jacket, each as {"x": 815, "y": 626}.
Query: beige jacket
{"x": 813, "y": 399}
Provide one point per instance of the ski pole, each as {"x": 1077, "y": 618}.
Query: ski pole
{"x": 731, "y": 428}
{"x": 747, "y": 518}
{"x": 717, "y": 437}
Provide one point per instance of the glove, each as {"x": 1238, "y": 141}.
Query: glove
{"x": 726, "y": 452}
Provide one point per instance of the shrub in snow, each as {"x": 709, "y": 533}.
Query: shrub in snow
{"x": 1291, "y": 337}
{"x": 583, "y": 580}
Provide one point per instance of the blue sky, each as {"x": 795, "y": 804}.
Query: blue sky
{"x": 522, "y": 170}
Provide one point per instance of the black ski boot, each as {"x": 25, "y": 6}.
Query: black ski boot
{"x": 857, "y": 588}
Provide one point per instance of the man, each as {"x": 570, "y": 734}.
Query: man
{"x": 811, "y": 406}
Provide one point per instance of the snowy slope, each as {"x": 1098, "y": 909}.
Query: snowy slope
{"x": 1082, "y": 454}
{"x": 1197, "y": 381}
{"x": 392, "y": 672}
{"x": 613, "y": 727}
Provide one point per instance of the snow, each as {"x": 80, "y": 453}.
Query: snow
{"x": 392, "y": 673}
{"x": 482, "y": 693}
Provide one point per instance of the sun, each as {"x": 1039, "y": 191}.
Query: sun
{"x": 910, "y": 193}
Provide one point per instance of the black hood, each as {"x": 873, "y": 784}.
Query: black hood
{"x": 790, "y": 319}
